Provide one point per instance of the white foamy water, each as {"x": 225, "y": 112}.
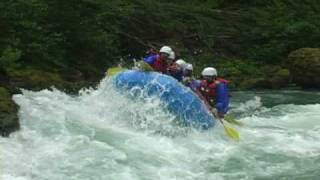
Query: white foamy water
{"x": 102, "y": 134}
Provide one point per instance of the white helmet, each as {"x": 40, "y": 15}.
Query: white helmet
{"x": 209, "y": 71}
{"x": 189, "y": 67}
{"x": 181, "y": 63}
{"x": 166, "y": 49}
{"x": 172, "y": 55}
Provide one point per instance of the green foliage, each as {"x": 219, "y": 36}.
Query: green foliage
{"x": 237, "y": 68}
{"x": 90, "y": 35}
{"x": 304, "y": 65}
{"x": 9, "y": 56}
{"x": 281, "y": 27}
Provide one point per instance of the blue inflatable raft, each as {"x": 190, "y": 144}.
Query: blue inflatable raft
{"x": 177, "y": 98}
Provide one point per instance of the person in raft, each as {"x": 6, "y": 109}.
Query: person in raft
{"x": 215, "y": 91}
{"x": 176, "y": 69}
{"x": 189, "y": 80}
{"x": 164, "y": 63}
{"x": 160, "y": 61}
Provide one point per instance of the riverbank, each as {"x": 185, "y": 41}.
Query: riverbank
{"x": 13, "y": 80}
{"x": 243, "y": 75}
{"x": 72, "y": 82}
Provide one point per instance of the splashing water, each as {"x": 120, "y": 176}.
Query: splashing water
{"x": 101, "y": 134}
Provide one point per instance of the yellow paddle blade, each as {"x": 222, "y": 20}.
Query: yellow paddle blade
{"x": 232, "y": 133}
{"x": 143, "y": 66}
{"x": 232, "y": 120}
{"x": 114, "y": 70}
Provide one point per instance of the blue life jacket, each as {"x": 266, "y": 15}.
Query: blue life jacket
{"x": 178, "y": 75}
{"x": 151, "y": 59}
{"x": 222, "y": 97}
{"x": 194, "y": 85}
{"x": 157, "y": 64}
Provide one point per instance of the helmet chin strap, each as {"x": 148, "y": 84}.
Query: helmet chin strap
{"x": 209, "y": 79}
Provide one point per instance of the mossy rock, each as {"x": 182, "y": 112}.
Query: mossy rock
{"x": 250, "y": 83}
{"x": 279, "y": 79}
{"x": 304, "y": 65}
{"x": 283, "y": 73}
{"x": 273, "y": 77}
{"x": 71, "y": 75}
{"x": 8, "y": 113}
{"x": 34, "y": 79}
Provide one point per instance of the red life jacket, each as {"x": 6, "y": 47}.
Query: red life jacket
{"x": 208, "y": 90}
{"x": 220, "y": 80}
{"x": 160, "y": 66}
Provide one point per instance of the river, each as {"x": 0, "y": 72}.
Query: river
{"x": 101, "y": 134}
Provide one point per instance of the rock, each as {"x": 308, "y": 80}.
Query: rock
{"x": 34, "y": 79}
{"x": 276, "y": 78}
{"x": 280, "y": 79}
{"x": 273, "y": 77}
{"x": 304, "y": 65}
{"x": 9, "y": 121}
{"x": 249, "y": 83}
{"x": 72, "y": 75}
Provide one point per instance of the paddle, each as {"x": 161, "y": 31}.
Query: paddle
{"x": 143, "y": 66}
{"x": 140, "y": 65}
{"x": 114, "y": 70}
{"x": 232, "y": 133}
{"x": 230, "y": 119}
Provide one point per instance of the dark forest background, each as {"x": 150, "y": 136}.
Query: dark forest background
{"x": 248, "y": 41}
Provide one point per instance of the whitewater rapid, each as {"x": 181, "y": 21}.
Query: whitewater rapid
{"x": 102, "y": 134}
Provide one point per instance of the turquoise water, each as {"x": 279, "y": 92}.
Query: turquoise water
{"x": 101, "y": 134}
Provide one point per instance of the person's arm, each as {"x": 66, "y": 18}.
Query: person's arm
{"x": 150, "y": 59}
{"x": 222, "y": 99}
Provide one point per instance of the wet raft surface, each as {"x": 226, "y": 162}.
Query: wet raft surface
{"x": 177, "y": 98}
